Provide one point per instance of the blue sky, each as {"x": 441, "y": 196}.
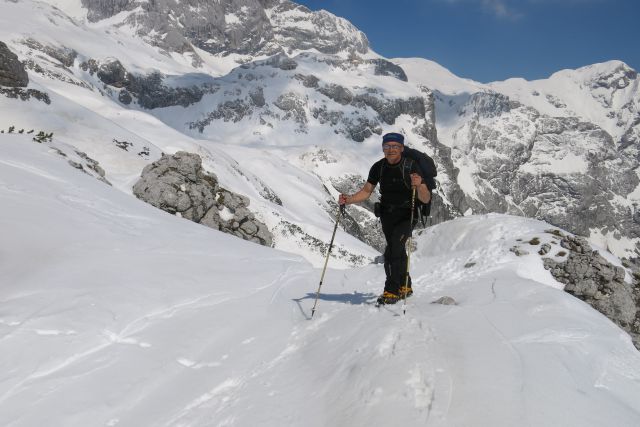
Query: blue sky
{"x": 488, "y": 40}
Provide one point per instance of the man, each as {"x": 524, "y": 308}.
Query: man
{"x": 392, "y": 172}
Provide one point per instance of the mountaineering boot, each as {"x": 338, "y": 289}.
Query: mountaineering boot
{"x": 388, "y": 298}
{"x": 406, "y": 291}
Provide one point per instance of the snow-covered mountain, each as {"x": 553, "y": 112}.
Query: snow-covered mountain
{"x": 562, "y": 149}
{"x": 270, "y": 74}
{"x": 318, "y": 114}
{"x": 115, "y": 313}
{"x": 241, "y": 30}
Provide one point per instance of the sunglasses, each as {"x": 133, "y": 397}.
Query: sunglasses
{"x": 388, "y": 147}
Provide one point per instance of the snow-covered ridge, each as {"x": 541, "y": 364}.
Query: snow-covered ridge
{"x": 128, "y": 304}
{"x": 246, "y": 29}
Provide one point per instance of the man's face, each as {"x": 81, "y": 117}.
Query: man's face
{"x": 392, "y": 151}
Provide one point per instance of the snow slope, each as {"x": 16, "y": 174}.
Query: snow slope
{"x": 114, "y": 313}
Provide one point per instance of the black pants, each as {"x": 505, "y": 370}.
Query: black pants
{"x": 397, "y": 229}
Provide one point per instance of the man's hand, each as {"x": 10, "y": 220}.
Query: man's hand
{"x": 416, "y": 179}
{"x": 342, "y": 200}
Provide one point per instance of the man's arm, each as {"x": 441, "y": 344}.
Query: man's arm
{"x": 360, "y": 196}
{"x": 424, "y": 195}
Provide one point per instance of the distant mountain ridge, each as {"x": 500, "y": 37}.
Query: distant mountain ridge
{"x": 247, "y": 28}
{"x": 563, "y": 149}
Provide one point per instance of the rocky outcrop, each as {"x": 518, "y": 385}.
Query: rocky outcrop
{"x": 64, "y": 55}
{"x": 516, "y": 152}
{"x": 149, "y": 90}
{"x": 178, "y": 184}
{"x": 12, "y": 71}
{"x": 81, "y": 161}
{"x": 388, "y": 68}
{"x": 590, "y": 277}
{"x": 25, "y": 94}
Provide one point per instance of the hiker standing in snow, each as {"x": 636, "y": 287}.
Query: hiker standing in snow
{"x": 395, "y": 212}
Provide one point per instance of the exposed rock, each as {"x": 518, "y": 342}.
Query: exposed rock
{"x": 90, "y": 65}
{"x": 113, "y": 73}
{"x": 258, "y": 28}
{"x": 282, "y": 62}
{"x": 295, "y": 233}
{"x": 150, "y": 90}
{"x": 590, "y": 277}
{"x": 387, "y": 68}
{"x": 125, "y": 97}
{"x": 390, "y": 109}
{"x": 25, "y": 94}
{"x": 445, "y": 301}
{"x": 64, "y": 55}
{"x": 12, "y": 72}
{"x": 619, "y": 78}
{"x": 177, "y": 184}
{"x": 513, "y": 147}
{"x": 257, "y": 97}
{"x": 93, "y": 166}
{"x": 544, "y": 249}
{"x": 309, "y": 81}
{"x": 339, "y": 94}
{"x": 519, "y": 251}
{"x": 294, "y": 106}
{"x": 79, "y": 160}
{"x": 153, "y": 93}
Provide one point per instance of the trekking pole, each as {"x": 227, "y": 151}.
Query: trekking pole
{"x": 406, "y": 274}
{"x": 335, "y": 228}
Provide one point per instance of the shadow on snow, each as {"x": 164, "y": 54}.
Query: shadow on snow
{"x": 354, "y": 298}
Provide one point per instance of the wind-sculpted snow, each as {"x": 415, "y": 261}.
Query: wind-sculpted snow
{"x": 135, "y": 317}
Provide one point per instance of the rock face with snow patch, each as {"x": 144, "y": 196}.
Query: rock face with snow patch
{"x": 564, "y": 170}
{"x": 177, "y": 184}
{"x": 12, "y": 72}
{"x": 590, "y": 277}
{"x": 151, "y": 90}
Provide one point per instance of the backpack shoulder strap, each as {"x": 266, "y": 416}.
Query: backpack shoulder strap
{"x": 407, "y": 163}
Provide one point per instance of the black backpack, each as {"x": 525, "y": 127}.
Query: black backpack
{"x": 428, "y": 171}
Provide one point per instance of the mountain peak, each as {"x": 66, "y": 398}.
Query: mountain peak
{"x": 604, "y": 74}
{"x": 252, "y": 28}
